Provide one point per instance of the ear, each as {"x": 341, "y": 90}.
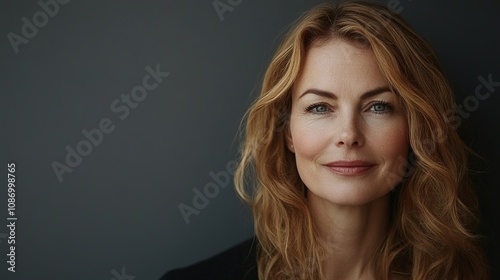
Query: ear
{"x": 289, "y": 140}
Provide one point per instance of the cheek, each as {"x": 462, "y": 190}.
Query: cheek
{"x": 398, "y": 140}
{"x": 392, "y": 145}
{"x": 309, "y": 139}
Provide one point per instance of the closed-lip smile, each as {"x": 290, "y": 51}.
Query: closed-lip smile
{"x": 350, "y": 167}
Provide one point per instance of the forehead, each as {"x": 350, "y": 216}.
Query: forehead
{"x": 339, "y": 66}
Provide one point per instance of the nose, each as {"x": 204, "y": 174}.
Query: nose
{"x": 349, "y": 132}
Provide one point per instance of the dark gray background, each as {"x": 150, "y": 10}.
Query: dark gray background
{"x": 119, "y": 207}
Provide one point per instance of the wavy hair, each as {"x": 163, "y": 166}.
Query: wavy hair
{"x": 433, "y": 222}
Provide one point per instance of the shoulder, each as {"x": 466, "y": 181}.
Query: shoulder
{"x": 238, "y": 262}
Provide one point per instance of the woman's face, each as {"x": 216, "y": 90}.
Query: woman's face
{"x": 348, "y": 131}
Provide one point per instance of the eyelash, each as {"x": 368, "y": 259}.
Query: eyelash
{"x": 387, "y": 105}
{"x": 310, "y": 108}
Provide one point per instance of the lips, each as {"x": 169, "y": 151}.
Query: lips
{"x": 350, "y": 168}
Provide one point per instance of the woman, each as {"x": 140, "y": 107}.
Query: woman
{"x": 350, "y": 165}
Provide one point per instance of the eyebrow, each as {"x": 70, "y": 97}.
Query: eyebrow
{"x": 331, "y": 95}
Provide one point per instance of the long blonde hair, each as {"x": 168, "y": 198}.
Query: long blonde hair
{"x": 431, "y": 234}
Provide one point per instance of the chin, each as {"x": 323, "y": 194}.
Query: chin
{"x": 349, "y": 194}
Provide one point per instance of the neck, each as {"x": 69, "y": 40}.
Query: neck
{"x": 350, "y": 235}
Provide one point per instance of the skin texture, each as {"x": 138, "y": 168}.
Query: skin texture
{"x": 334, "y": 119}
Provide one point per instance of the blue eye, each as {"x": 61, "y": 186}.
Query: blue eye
{"x": 318, "y": 108}
{"x": 381, "y": 107}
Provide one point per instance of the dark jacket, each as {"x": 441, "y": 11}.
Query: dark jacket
{"x": 238, "y": 262}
